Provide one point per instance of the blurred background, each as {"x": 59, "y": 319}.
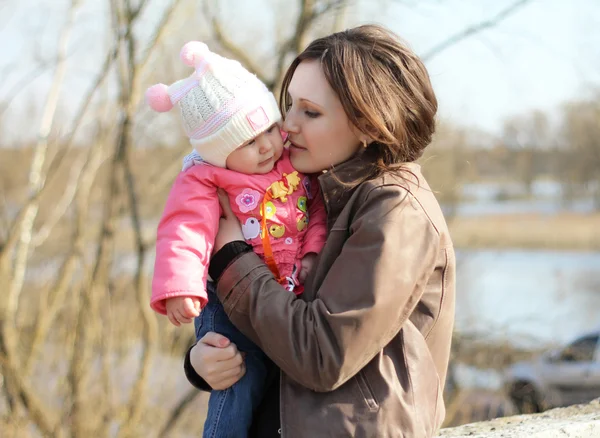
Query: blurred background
{"x": 85, "y": 169}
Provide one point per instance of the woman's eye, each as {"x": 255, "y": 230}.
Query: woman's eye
{"x": 311, "y": 114}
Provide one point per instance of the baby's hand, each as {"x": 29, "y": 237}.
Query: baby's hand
{"x": 182, "y": 310}
{"x": 306, "y": 265}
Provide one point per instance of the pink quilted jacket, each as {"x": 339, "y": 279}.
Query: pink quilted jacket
{"x": 190, "y": 220}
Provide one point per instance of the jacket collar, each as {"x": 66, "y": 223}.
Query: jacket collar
{"x": 339, "y": 183}
{"x": 336, "y": 184}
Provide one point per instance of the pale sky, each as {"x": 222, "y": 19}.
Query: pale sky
{"x": 546, "y": 53}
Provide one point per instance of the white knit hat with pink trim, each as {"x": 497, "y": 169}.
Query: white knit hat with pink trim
{"x": 222, "y": 104}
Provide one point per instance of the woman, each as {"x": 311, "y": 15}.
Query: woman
{"x": 364, "y": 351}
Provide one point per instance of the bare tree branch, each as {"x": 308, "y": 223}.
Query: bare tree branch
{"x": 76, "y": 124}
{"x": 36, "y": 175}
{"x": 472, "y": 30}
{"x": 55, "y": 297}
{"x": 41, "y": 418}
{"x": 87, "y": 100}
{"x": 310, "y": 10}
{"x": 176, "y": 413}
{"x": 305, "y": 16}
{"x": 237, "y": 52}
{"x": 61, "y": 206}
{"x": 8, "y": 334}
{"x": 340, "y": 17}
{"x": 20, "y": 86}
{"x": 134, "y": 12}
{"x": 129, "y": 74}
{"x": 97, "y": 278}
{"x": 159, "y": 33}
{"x": 165, "y": 176}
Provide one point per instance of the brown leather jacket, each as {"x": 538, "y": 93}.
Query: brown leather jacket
{"x": 364, "y": 352}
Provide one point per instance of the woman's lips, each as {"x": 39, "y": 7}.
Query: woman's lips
{"x": 294, "y": 145}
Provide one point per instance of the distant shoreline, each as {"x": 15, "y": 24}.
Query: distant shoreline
{"x": 563, "y": 231}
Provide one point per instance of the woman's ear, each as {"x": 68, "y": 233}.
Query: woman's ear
{"x": 361, "y": 131}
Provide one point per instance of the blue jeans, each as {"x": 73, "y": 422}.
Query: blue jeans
{"x": 230, "y": 411}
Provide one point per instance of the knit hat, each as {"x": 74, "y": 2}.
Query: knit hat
{"x": 222, "y": 104}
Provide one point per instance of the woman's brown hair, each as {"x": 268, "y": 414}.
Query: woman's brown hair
{"x": 384, "y": 88}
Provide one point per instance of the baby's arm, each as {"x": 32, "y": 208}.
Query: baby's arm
{"x": 182, "y": 310}
{"x": 184, "y": 242}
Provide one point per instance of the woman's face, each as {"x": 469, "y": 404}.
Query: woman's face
{"x": 320, "y": 133}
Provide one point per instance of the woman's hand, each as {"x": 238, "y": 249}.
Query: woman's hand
{"x": 217, "y": 361}
{"x": 229, "y": 226}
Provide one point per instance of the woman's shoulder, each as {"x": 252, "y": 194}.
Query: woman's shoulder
{"x": 404, "y": 192}
{"x": 408, "y": 180}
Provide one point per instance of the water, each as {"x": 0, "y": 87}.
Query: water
{"x": 529, "y": 298}
{"x": 526, "y": 297}
{"x": 484, "y": 198}
{"x": 486, "y": 191}
{"x": 535, "y": 206}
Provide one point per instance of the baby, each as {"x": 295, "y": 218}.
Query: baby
{"x": 232, "y": 120}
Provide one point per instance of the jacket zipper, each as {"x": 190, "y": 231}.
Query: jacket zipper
{"x": 281, "y": 423}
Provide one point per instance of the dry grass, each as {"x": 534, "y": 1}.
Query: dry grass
{"x": 564, "y": 231}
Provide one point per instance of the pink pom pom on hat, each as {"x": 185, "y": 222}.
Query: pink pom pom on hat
{"x": 222, "y": 104}
{"x": 193, "y": 53}
{"x": 157, "y": 97}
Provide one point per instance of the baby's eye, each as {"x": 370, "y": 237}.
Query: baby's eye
{"x": 251, "y": 142}
{"x": 270, "y": 129}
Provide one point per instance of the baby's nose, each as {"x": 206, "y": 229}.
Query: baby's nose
{"x": 265, "y": 147}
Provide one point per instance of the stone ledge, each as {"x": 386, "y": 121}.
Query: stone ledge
{"x": 579, "y": 421}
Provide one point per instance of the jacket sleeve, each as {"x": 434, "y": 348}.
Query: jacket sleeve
{"x": 316, "y": 234}
{"x": 185, "y": 239}
{"x": 364, "y": 299}
{"x": 193, "y": 377}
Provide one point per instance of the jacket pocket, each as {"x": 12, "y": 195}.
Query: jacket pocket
{"x": 366, "y": 391}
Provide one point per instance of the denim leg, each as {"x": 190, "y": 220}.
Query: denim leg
{"x": 230, "y": 411}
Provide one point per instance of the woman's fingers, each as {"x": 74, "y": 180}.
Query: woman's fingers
{"x": 225, "y": 205}
{"x": 220, "y": 366}
{"x": 224, "y": 384}
{"x": 215, "y": 340}
{"x": 216, "y": 349}
{"x": 225, "y": 354}
{"x": 225, "y": 379}
{"x": 234, "y": 372}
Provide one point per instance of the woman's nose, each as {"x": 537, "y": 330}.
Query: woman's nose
{"x": 289, "y": 124}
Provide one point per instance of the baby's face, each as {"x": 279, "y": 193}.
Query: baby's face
{"x": 258, "y": 155}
